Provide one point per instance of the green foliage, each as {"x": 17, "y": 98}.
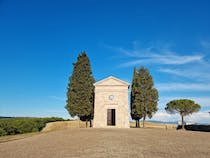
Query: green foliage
{"x": 144, "y": 96}
{"x": 183, "y": 107}
{"x": 135, "y": 98}
{"x": 2, "y": 132}
{"x": 80, "y": 90}
{"x": 14, "y": 126}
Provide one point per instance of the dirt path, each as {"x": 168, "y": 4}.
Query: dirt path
{"x": 122, "y": 143}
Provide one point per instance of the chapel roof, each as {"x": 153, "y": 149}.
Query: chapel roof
{"x": 111, "y": 81}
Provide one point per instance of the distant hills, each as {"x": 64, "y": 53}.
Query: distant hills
{"x": 2, "y": 117}
{"x": 159, "y": 122}
{"x": 162, "y": 122}
{"x": 153, "y": 121}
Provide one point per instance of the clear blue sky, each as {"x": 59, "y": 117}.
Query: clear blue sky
{"x": 39, "y": 41}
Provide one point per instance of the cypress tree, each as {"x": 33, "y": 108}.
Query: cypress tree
{"x": 136, "y": 113}
{"x": 144, "y": 96}
{"x": 148, "y": 94}
{"x": 80, "y": 90}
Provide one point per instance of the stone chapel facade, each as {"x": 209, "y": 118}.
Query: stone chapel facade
{"x": 111, "y": 103}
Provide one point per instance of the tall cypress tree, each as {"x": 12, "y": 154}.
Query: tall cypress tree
{"x": 80, "y": 90}
{"x": 148, "y": 94}
{"x": 144, "y": 96}
{"x": 136, "y": 113}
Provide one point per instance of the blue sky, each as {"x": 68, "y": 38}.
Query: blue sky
{"x": 39, "y": 41}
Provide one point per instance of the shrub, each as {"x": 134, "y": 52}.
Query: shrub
{"x": 2, "y": 132}
{"x": 24, "y": 125}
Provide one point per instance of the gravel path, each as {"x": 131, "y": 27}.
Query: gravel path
{"x": 116, "y": 143}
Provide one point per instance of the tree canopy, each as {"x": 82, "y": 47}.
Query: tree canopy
{"x": 80, "y": 90}
{"x": 144, "y": 97}
{"x": 136, "y": 113}
{"x": 182, "y": 106}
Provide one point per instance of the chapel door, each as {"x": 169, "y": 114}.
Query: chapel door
{"x": 110, "y": 117}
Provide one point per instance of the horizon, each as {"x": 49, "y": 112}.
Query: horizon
{"x": 39, "y": 41}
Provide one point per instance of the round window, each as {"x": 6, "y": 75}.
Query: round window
{"x": 111, "y": 97}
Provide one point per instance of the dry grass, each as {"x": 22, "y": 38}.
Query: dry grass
{"x": 16, "y": 137}
{"x": 154, "y": 125}
{"x": 76, "y": 124}
{"x": 63, "y": 125}
{"x": 117, "y": 143}
{"x": 52, "y": 126}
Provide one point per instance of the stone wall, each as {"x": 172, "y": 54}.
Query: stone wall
{"x": 103, "y": 90}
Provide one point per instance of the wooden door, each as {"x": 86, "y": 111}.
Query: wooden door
{"x": 113, "y": 117}
{"x": 109, "y": 117}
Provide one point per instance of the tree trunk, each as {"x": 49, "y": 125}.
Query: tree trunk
{"x": 137, "y": 124}
{"x": 86, "y": 123}
{"x": 78, "y": 121}
{"x": 182, "y": 121}
{"x": 144, "y": 121}
{"x": 90, "y": 123}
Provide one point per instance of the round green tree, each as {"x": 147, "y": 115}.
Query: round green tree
{"x": 182, "y": 106}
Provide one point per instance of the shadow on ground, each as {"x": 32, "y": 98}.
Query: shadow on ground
{"x": 202, "y": 128}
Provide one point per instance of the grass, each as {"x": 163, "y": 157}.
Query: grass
{"x": 118, "y": 143}
{"x": 64, "y": 125}
{"x": 17, "y": 137}
{"x": 154, "y": 125}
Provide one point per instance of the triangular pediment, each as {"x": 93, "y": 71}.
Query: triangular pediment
{"x": 111, "y": 81}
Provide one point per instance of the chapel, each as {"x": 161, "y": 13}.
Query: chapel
{"x": 111, "y": 103}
